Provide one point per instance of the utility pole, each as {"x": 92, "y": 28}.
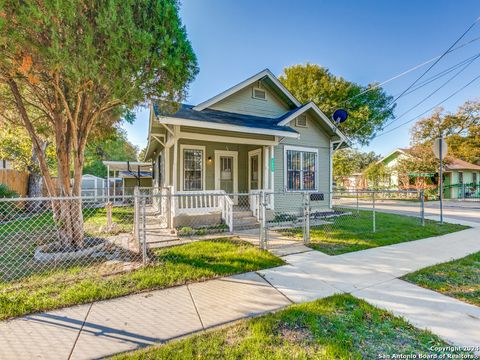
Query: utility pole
{"x": 440, "y": 180}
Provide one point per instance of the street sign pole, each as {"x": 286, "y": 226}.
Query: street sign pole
{"x": 441, "y": 177}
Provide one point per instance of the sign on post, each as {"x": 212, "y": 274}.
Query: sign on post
{"x": 436, "y": 148}
{"x": 440, "y": 150}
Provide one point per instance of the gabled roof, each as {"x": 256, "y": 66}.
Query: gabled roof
{"x": 224, "y": 120}
{"x": 457, "y": 164}
{"x": 259, "y": 76}
{"x": 452, "y": 163}
{"x": 289, "y": 116}
{"x": 402, "y": 151}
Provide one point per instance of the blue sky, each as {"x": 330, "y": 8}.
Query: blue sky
{"x": 363, "y": 41}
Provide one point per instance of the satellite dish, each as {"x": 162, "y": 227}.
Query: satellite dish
{"x": 340, "y": 115}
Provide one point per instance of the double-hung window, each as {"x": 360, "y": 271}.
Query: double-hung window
{"x": 193, "y": 168}
{"x": 300, "y": 169}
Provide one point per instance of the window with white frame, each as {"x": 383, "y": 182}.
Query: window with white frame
{"x": 301, "y": 169}
{"x": 193, "y": 169}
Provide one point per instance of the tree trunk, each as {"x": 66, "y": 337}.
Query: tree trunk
{"x": 69, "y": 219}
{"x": 35, "y": 180}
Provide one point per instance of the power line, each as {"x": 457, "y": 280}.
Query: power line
{"x": 440, "y": 74}
{"x": 392, "y": 103}
{"x": 435, "y": 91}
{"x": 406, "y": 72}
{"x": 430, "y": 109}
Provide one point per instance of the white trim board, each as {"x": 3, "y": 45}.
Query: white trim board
{"x": 228, "y": 127}
{"x": 320, "y": 113}
{"x": 245, "y": 83}
{"x": 182, "y": 167}
{"x": 225, "y": 139}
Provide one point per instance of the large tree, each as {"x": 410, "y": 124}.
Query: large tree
{"x": 349, "y": 161}
{"x": 80, "y": 65}
{"x": 368, "y": 112}
{"x": 461, "y": 130}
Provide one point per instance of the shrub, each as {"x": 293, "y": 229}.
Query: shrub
{"x": 7, "y": 209}
{"x": 5, "y": 192}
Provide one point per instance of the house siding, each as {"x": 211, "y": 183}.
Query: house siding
{"x": 310, "y": 136}
{"x": 198, "y": 130}
{"x": 242, "y": 102}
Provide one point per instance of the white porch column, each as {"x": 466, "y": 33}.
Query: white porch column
{"x": 108, "y": 183}
{"x": 271, "y": 168}
{"x": 175, "y": 167}
{"x": 266, "y": 159}
{"x": 166, "y": 180}
{"x": 114, "y": 186}
{"x": 330, "y": 187}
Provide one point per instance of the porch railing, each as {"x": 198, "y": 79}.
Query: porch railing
{"x": 191, "y": 203}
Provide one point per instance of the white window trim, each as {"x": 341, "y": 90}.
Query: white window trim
{"x": 304, "y": 149}
{"x": 182, "y": 167}
{"x": 258, "y": 88}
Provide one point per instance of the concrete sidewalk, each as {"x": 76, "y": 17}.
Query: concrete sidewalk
{"x": 108, "y": 327}
{"x": 373, "y": 276}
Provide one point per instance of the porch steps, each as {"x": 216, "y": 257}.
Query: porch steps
{"x": 244, "y": 220}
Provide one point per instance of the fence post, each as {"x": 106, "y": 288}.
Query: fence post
{"x": 306, "y": 218}
{"x": 144, "y": 233}
{"x": 263, "y": 229}
{"x": 373, "y": 212}
{"x": 358, "y": 211}
{"x": 422, "y": 206}
{"x": 136, "y": 205}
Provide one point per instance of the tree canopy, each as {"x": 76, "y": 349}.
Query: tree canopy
{"x": 461, "y": 130}
{"x": 69, "y": 68}
{"x": 349, "y": 161}
{"x": 368, "y": 112}
{"x": 114, "y": 147}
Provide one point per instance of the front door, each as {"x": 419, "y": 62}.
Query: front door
{"x": 226, "y": 172}
{"x": 254, "y": 170}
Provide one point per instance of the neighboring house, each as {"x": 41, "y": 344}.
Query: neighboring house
{"x": 124, "y": 176}
{"x": 254, "y": 136}
{"x": 461, "y": 179}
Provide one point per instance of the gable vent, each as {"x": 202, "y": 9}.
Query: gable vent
{"x": 259, "y": 94}
{"x": 301, "y": 120}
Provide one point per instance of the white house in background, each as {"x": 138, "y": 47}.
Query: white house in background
{"x": 253, "y": 136}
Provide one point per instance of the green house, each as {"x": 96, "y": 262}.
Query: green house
{"x": 461, "y": 178}
{"x": 253, "y": 136}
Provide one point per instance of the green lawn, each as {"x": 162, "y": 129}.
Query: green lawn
{"x": 458, "y": 278}
{"x": 20, "y": 238}
{"x": 172, "y": 266}
{"x": 338, "y": 327}
{"x": 353, "y": 232}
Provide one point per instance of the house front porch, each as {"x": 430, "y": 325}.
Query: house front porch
{"x": 207, "y": 180}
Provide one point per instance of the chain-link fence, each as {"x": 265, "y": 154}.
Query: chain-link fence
{"x": 464, "y": 192}
{"x": 68, "y": 239}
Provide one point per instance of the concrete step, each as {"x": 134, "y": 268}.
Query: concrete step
{"x": 251, "y": 226}
{"x": 242, "y": 214}
{"x": 245, "y": 221}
